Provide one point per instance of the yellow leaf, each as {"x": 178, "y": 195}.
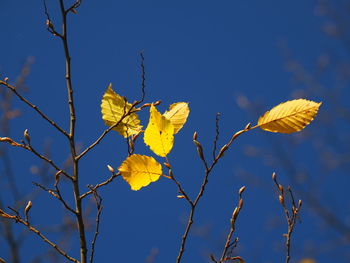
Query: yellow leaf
{"x": 290, "y": 116}
{"x": 177, "y": 114}
{"x": 159, "y": 134}
{"x": 113, "y": 107}
{"x": 140, "y": 170}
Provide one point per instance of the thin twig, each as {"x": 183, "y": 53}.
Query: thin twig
{"x": 105, "y": 132}
{"x": 216, "y": 133}
{"x": 234, "y": 217}
{"x": 99, "y": 207}
{"x": 57, "y": 194}
{"x": 13, "y": 89}
{"x": 208, "y": 169}
{"x": 291, "y": 216}
{"x": 17, "y": 219}
{"x": 94, "y": 188}
{"x": 72, "y": 121}
{"x": 143, "y": 85}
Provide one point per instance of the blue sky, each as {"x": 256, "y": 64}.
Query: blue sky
{"x": 203, "y": 52}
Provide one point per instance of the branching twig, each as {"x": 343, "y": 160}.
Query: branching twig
{"x": 13, "y": 89}
{"x": 234, "y": 216}
{"x": 208, "y": 169}
{"x": 18, "y": 219}
{"x": 291, "y": 216}
{"x": 94, "y": 188}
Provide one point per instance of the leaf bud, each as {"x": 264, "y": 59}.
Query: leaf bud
{"x": 299, "y": 203}
{"x": 274, "y": 177}
{"x": 26, "y": 210}
{"x": 222, "y": 150}
{"x": 26, "y": 136}
{"x": 281, "y": 199}
{"x": 157, "y": 102}
{"x": 110, "y": 168}
{"x": 195, "y": 136}
{"x": 49, "y": 24}
{"x": 180, "y": 196}
{"x": 212, "y": 258}
{"x": 235, "y": 213}
{"x": 247, "y": 127}
{"x": 280, "y": 187}
{"x": 6, "y": 79}
{"x": 241, "y": 190}
{"x": 167, "y": 165}
{"x": 74, "y": 11}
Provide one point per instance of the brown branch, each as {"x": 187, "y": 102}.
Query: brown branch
{"x": 13, "y": 89}
{"x": 71, "y": 137}
{"x": 105, "y": 132}
{"x": 291, "y": 216}
{"x": 217, "y": 132}
{"x": 57, "y": 194}
{"x": 234, "y": 217}
{"x": 18, "y": 219}
{"x": 208, "y": 169}
{"x": 99, "y": 207}
{"x": 94, "y": 188}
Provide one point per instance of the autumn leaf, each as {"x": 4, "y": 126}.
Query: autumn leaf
{"x": 113, "y": 108}
{"x": 177, "y": 114}
{"x": 290, "y": 116}
{"x": 140, "y": 170}
{"x": 159, "y": 134}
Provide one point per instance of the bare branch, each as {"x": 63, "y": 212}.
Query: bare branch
{"x": 291, "y": 216}
{"x": 13, "y": 89}
{"x": 94, "y": 188}
{"x": 18, "y": 219}
{"x": 234, "y": 217}
{"x": 99, "y": 207}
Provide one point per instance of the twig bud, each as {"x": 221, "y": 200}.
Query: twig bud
{"x": 180, "y": 196}
{"x": 280, "y": 187}
{"x": 157, "y": 102}
{"x": 274, "y": 176}
{"x": 195, "y": 136}
{"x": 167, "y": 165}
{"x": 299, "y": 203}
{"x": 26, "y": 210}
{"x": 6, "y": 79}
{"x": 74, "y": 11}
{"x": 26, "y": 136}
{"x": 49, "y": 24}
{"x": 247, "y": 127}
{"x": 222, "y": 150}
{"x": 235, "y": 213}
{"x": 281, "y": 199}
{"x": 241, "y": 190}
{"x": 110, "y": 168}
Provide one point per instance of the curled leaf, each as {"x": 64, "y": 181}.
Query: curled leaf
{"x": 113, "y": 108}
{"x": 177, "y": 114}
{"x": 140, "y": 170}
{"x": 290, "y": 116}
{"x": 159, "y": 134}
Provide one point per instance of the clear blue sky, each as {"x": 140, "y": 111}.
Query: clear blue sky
{"x": 203, "y": 52}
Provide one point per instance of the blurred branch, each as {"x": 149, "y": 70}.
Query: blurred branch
{"x": 26, "y": 223}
